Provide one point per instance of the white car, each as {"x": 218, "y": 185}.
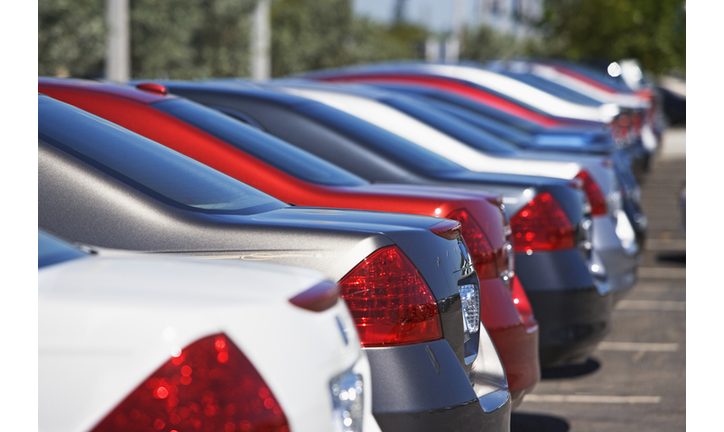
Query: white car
{"x": 614, "y": 238}
{"x": 135, "y": 342}
{"x": 587, "y": 88}
{"x": 521, "y": 92}
{"x": 578, "y": 83}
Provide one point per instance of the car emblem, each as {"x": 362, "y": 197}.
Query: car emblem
{"x": 467, "y": 265}
{"x": 342, "y": 330}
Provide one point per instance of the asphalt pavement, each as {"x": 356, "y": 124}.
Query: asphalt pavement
{"x": 636, "y": 379}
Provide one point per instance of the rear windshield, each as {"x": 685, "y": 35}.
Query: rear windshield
{"x": 480, "y": 121}
{"x": 474, "y": 106}
{"x": 261, "y": 145}
{"x": 404, "y": 152}
{"x": 54, "y": 251}
{"x": 146, "y": 165}
{"x": 462, "y": 131}
{"x": 554, "y": 88}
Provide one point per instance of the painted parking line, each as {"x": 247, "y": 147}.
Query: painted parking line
{"x": 651, "y": 305}
{"x": 592, "y": 399}
{"x": 637, "y": 346}
{"x": 662, "y": 272}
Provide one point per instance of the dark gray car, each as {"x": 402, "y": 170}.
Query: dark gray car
{"x": 103, "y": 185}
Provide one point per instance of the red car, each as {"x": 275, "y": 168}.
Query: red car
{"x": 295, "y": 176}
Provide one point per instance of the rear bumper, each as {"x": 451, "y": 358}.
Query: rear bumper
{"x": 577, "y": 321}
{"x": 423, "y": 387}
{"x": 620, "y": 262}
{"x": 572, "y": 314}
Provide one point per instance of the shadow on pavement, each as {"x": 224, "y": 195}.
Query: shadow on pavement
{"x": 527, "y": 422}
{"x": 672, "y": 257}
{"x": 570, "y": 371}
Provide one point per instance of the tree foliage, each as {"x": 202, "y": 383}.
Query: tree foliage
{"x": 484, "y": 43}
{"x": 169, "y": 39}
{"x": 71, "y": 37}
{"x": 652, "y": 31}
{"x": 187, "y": 39}
{"x": 316, "y": 34}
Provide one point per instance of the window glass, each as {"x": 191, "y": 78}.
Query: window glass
{"x": 53, "y": 251}
{"x": 504, "y": 130}
{"x": 145, "y": 164}
{"x": 486, "y": 110}
{"x": 554, "y": 88}
{"x": 404, "y": 152}
{"x": 475, "y": 137}
{"x": 261, "y": 145}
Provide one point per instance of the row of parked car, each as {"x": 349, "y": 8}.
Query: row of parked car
{"x": 395, "y": 247}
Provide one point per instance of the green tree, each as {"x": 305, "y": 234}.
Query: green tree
{"x": 71, "y": 37}
{"x": 317, "y": 34}
{"x": 651, "y": 31}
{"x": 187, "y": 39}
{"x": 223, "y": 42}
{"x": 484, "y": 43}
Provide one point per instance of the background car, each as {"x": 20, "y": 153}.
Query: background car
{"x": 613, "y": 235}
{"x": 295, "y": 176}
{"x": 136, "y": 342}
{"x": 526, "y": 135}
{"x": 550, "y": 270}
{"x": 636, "y": 126}
{"x": 407, "y": 280}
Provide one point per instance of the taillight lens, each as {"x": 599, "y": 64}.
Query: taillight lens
{"x": 621, "y": 127}
{"x": 483, "y": 255}
{"x": 624, "y": 125}
{"x": 542, "y": 225}
{"x": 522, "y": 304}
{"x": 390, "y": 301}
{"x": 210, "y": 386}
{"x": 636, "y": 123}
{"x": 593, "y": 193}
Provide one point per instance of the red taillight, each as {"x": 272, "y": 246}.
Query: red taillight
{"x": 542, "y": 225}
{"x": 390, "y": 301}
{"x": 593, "y": 193}
{"x": 621, "y": 126}
{"x": 637, "y": 123}
{"x": 522, "y": 304}
{"x": 210, "y": 386}
{"x": 483, "y": 256}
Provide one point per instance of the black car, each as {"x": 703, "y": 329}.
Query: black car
{"x": 402, "y": 276}
{"x": 572, "y": 304}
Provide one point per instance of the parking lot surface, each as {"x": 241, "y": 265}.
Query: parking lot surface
{"x": 636, "y": 379}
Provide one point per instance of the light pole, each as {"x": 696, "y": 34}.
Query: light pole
{"x": 261, "y": 42}
{"x": 118, "y": 48}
